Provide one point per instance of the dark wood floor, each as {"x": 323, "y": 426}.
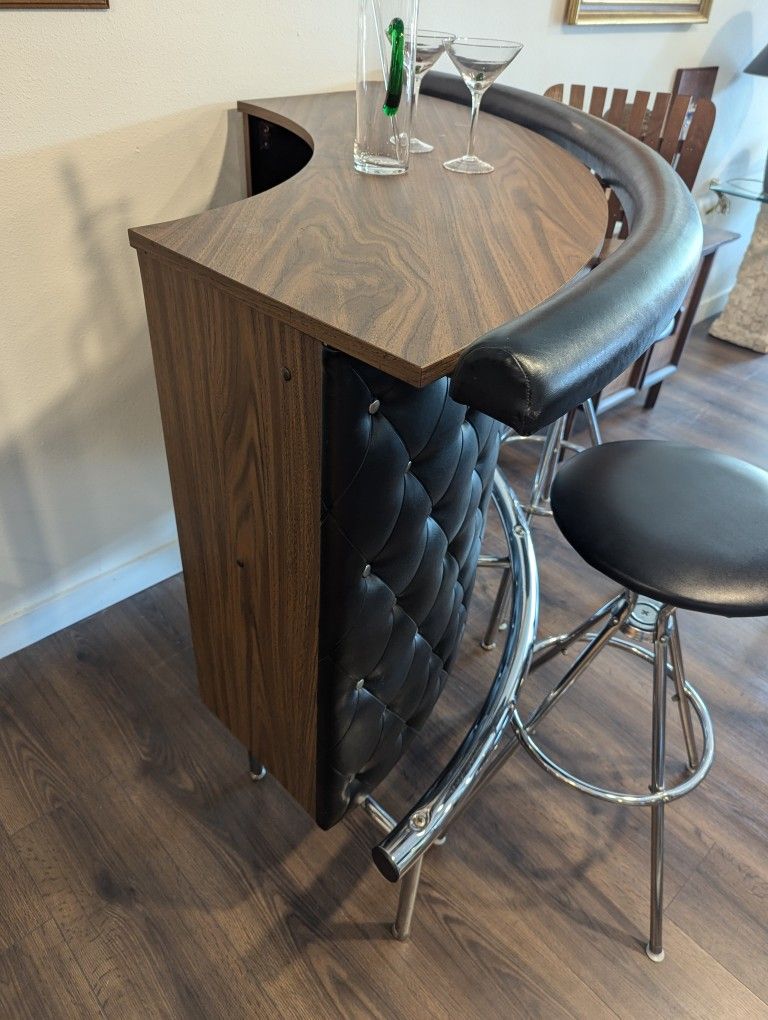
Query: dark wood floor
{"x": 145, "y": 875}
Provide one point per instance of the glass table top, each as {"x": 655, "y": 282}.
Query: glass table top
{"x": 743, "y": 187}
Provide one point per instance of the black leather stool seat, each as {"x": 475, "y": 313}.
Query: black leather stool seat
{"x": 681, "y": 524}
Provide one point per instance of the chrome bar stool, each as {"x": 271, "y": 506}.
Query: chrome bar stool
{"x": 678, "y": 527}
{"x": 528, "y": 373}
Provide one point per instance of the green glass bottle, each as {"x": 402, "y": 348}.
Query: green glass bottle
{"x": 385, "y": 80}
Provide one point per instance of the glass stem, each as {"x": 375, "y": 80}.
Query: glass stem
{"x": 476, "y": 99}
{"x": 416, "y": 89}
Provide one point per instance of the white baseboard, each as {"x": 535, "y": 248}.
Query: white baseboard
{"x": 713, "y": 304}
{"x": 87, "y": 590}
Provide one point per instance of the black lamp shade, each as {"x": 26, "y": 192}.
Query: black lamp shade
{"x": 759, "y": 65}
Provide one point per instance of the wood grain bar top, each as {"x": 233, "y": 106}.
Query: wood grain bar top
{"x": 402, "y": 272}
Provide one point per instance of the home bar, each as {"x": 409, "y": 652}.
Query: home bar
{"x": 384, "y": 478}
{"x": 336, "y": 357}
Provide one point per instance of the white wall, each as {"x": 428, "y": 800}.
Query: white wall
{"x": 116, "y": 118}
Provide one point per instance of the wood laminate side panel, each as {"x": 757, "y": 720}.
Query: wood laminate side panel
{"x": 240, "y": 397}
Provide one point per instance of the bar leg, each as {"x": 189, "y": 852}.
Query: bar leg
{"x": 409, "y": 887}
{"x": 683, "y": 704}
{"x": 258, "y": 771}
{"x": 655, "y": 947}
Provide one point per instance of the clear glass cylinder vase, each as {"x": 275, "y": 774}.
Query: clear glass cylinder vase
{"x": 386, "y": 52}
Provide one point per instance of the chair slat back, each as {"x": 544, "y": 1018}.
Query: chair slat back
{"x": 638, "y": 113}
{"x": 673, "y": 128}
{"x": 677, "y": 127}
{"x": 617, "y": 108}
{"x": 694, "y": 144}
{"x": 577, "y": 96}
{"x": 597, "y": 104}
{"x": 656, "y": 120}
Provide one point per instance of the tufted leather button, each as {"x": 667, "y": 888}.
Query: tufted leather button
{"x": 420, "y": 521}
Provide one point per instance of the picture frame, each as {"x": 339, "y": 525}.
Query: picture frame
{"x": 637, "y": 12}
{"x": 53, "y": 5}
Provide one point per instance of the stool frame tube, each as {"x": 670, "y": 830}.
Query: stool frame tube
{"x": 482, "y": 751}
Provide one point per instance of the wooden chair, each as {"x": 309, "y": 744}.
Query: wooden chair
{"x": 678, "y": 128}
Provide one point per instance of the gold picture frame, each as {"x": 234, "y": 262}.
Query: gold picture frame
{"x": 20, "y": 5}
{"x": 637, "y": 12}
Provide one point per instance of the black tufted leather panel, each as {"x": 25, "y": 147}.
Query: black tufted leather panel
{"x": 407, "y": 477}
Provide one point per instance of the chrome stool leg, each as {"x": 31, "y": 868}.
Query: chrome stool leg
{"x": 676, "y": 656}
{"x": 409, "y": 883}
{"x": 618, "y": 611}
{"x": 640, "y": 617}
{"x": 409, "y": 887}
{"x": 593, "y": 427}
{"x": 545, "y": 469}
{"x": 554, "y": 442}
{"x": 655, "y": 948}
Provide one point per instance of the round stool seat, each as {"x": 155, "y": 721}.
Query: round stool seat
{"x": 681, "y": 524}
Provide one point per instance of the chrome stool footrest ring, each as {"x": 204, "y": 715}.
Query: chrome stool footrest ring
{"x": 617, "y": 796}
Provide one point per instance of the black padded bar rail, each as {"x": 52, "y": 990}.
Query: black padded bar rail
{"x": 533, "y": 369}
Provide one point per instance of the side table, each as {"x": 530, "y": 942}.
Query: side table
{"x": 745, "y": 319}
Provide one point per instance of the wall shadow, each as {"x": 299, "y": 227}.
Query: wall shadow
{"x": 82, "y": 462}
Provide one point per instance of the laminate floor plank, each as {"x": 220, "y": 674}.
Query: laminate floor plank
{"x": 46, "y": 755}
{"x": 731, "y": 889}
{"x": 316, "y": 889}
{"x": 22, "y": 908}
{"x": 147, "y": 876}
{"x": 143, "y": 936}
{"x": 40, "y": 979}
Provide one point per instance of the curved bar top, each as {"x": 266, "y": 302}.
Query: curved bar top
{"x": 402, "y": 272}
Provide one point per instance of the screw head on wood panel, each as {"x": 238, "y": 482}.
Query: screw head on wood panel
{"x": 287, "y": 374}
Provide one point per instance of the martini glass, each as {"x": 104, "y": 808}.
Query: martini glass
{"x": 430, "y": 46}
{"x": 479, "y": 62}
